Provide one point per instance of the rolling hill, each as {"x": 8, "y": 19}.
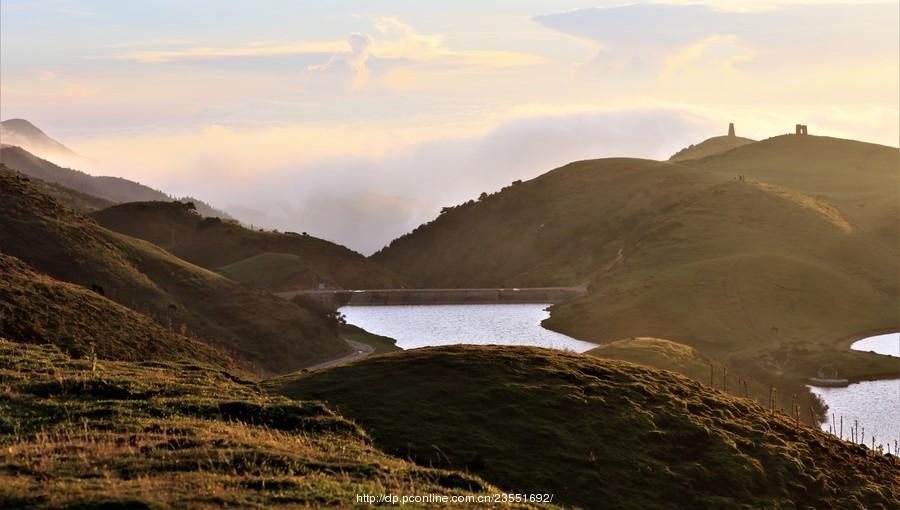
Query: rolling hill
{"x": 35, "y": 308}
{"x": 805, "y": 248}
{"x": 709, "y": 147}
{"x": 157, "y": 435}
{"x": 591, "y": 430}
{"x": 764, "y": 258}
{"x": 269, "y": 260}
{"x": 112, "y": 189}
{"x": 263, "y": 333}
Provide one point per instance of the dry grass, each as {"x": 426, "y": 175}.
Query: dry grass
{"x": 709, "y": 147}
{"x": 175, "y": 435}
{"x": 596, "y": 432}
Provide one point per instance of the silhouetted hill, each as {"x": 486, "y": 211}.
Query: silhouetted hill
{"x": 261, "y": 331}
{"x": 269, "y": 260}
{"x": 596, "y": 433}
{"x": 36, "y": 308}
{"x": 709, "y": 147}
{"x": 114, "y": 189}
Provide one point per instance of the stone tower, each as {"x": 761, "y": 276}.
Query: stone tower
{"x": 731, "y": 129}
{"x": 801, "y": 129}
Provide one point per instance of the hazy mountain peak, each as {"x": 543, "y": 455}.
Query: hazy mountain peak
{"x": 28, "y": 136}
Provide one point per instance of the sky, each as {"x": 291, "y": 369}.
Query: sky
{"x": 358, "y": 120}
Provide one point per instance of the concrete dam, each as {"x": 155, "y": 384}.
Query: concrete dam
{"x": 393, "y": 297}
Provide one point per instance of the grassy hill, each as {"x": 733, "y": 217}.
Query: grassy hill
{"x": 763, "y": 257}
{"x": 112, "y": 189}
{"x": 658, "y": 353}
{"x": 81, "y": 202}
{"x": 182, "y": 435}
{"x": 37, "y": 309}
{"x": 262, "y": 332}
{"x": 269, "y": 260}
{"x": 709, "y": 147}
{"x": 592, "y": 430}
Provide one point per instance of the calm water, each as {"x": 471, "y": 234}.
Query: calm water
{"x": 874, "y": 404}
{"x": 429, "y": 325}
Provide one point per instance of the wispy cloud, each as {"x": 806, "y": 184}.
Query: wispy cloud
{"x": 403, "y": 54}
{"x": 249, "y": 50}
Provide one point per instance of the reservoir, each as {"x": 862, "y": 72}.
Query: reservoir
{"x": 874, "y": 405}
{"x": 431, "y": 325}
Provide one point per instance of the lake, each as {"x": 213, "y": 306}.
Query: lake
{"x": 875, "y": 405}
{"x": 430, "y": 325}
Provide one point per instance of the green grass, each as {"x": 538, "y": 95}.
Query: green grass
{"x": 273, "y": 271}
{"x": 595, "y": 432}
{"x": 182, "y": 435}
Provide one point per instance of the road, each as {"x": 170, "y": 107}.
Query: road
{"x": 360, "y": 350}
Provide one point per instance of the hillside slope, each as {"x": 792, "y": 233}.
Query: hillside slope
{"x": 591, "y": 430}
{"x": 167, "y": 435}
{"x": 37, "y": 309}
{"x": 113, "y": 189}
{"x": 269, "y": 260}
{"x": 262, "y": 332}
{"x": 805, "y": 248}
{"x": 25, "y": 134}
{"x": 709, "y": 147}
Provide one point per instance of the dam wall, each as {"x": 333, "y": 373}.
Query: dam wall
{"x": 394, "y": 297}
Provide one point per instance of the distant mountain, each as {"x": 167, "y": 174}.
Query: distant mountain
{"x": 263, "y": 333}
{"x": 24, "y": 134}
{"x": 269, "y": 260}
{"x": 114, "y": 189}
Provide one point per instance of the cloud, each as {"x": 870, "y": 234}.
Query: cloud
{"x": 348, "y": 186}
{"x": 363, "y": 185}
{"x": 402, "y": 54}
{"x": 653, "y": 31}
{"x": 258, "y": 50}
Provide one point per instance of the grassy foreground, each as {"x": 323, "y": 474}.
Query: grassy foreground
{"x": 595, "y": 432}
{"x": 178, "y": 435}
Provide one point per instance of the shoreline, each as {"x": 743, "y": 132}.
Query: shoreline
{"x": 849, "y": 340}
{"x": 847, "y": 343}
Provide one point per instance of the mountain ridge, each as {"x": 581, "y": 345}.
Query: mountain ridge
{"x": 262, "y": 332}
